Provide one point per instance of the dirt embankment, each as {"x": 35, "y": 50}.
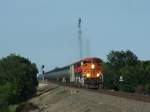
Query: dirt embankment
{"x": 54, "y": 98}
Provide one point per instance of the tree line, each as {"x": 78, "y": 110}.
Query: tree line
{"x": 134, "y": 73}
{"x": 18, "y": 80}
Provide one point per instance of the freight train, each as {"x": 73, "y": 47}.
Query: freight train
{"x": 88, "y": 71}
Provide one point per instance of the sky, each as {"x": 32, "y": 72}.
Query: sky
{"x": 46, "y": 31}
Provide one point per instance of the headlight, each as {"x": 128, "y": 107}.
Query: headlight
{"x": 98, "y": 75}
{"x": 92, "y": 66}
{"x": 88, "y": 75}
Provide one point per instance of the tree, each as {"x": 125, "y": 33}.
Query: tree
{"x": 121, "y": 63}
{"x": 119, "y": 59}
{"x": 19, "y": 76}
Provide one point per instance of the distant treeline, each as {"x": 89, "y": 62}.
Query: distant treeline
{"x": 124, "y": 71}
{"x": 18, "y": 80}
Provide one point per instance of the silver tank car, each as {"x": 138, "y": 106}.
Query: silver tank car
{"x": 59, "y": 74}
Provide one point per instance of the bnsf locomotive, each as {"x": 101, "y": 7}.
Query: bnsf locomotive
{"x": 87, "y": 71}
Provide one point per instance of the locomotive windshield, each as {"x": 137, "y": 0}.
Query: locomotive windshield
{"x": 86, "y": 62}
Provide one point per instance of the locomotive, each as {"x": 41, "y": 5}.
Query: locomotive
{"x": 88, "y": 71}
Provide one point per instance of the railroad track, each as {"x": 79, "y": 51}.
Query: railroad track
{"x": 134, "y": 96}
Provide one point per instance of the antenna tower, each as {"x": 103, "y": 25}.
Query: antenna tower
{"x": 80, "y": 38}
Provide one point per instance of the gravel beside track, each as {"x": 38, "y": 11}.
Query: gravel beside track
{"x": 134, "y": 96}
{"x": 71, "y": 99}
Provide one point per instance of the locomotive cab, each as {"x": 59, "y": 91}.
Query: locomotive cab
{"x": 91, "y": 70}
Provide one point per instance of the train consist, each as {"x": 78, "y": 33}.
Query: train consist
{"x": 87, "y": 71}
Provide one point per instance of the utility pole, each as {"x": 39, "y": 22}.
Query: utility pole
{"x": 80, "y": 38}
